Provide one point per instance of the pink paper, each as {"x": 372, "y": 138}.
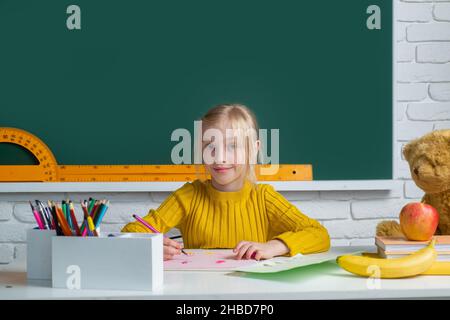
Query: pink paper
{"x": 206, "y": 260}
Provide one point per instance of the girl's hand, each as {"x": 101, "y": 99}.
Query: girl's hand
{"x": 260, "y": 250}
{"x": 171, "y": 248}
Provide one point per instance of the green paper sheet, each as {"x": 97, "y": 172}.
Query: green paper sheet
{"x": 278, "y": 264}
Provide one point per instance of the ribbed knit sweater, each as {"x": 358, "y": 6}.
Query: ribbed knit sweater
{"x": 209, "y": 218}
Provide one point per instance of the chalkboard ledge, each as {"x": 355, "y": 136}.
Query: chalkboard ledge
{"x": 322, "y": 185}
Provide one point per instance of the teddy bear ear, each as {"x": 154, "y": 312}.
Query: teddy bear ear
{"x": 407, "y": 151}
{"x": 447, "y": 135}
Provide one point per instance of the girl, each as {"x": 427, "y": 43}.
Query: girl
{"x": 230, "y": 210}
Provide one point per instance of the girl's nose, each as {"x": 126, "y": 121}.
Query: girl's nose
{"x": 219, "y": 155}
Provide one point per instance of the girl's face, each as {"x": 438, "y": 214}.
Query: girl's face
{"x": 224, "y": 155}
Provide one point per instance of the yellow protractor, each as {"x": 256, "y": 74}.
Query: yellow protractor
{"x": 48, "y": 169}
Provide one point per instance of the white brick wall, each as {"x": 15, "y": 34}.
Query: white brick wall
{"x": 423, "y": 104}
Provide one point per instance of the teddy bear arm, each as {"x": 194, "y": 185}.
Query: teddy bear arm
{"x": 442, "y": 204}
{"x": 389, "y": 228}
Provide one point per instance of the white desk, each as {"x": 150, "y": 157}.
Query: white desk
{"x": 324, "y": 281}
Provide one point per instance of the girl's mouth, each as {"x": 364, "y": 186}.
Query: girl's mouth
{"x": 222, "y": 169}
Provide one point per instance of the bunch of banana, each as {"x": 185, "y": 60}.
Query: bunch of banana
{"x": 414, "y": 264}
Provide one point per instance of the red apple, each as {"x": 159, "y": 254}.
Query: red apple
{"x": 419, "y": 221}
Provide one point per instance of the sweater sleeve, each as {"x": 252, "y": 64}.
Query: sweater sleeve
{"x": 171, "y": 213}
{"x": 300, "y": 233}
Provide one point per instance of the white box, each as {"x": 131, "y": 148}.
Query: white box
{"x": 39, "y": 254}
{"x": 123, "y": 261}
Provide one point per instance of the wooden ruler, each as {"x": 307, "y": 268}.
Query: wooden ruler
{"x": 48, "y": 169}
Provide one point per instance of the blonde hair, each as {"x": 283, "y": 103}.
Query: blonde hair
{"x": 240, "y": 117}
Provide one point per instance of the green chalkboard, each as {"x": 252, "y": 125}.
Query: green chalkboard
{"x": 113, "y": 91}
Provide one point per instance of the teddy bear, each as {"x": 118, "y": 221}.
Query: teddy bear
{"x": 429, "y": 163}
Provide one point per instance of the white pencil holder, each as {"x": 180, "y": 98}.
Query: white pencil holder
{"x": 39, "y": 254}
{"x": 122, "y": 261}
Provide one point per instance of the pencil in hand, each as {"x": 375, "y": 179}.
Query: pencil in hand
{"x": 149, "y": 226}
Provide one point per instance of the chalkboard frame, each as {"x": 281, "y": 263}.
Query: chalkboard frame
{"x": 373, "y": 184}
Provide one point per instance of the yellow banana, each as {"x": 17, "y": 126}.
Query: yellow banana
{"x": 439, "y": 268}
{"x": 370, "y": 254}
{"x": 408, "y": 266}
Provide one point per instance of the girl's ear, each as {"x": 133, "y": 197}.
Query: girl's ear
{"x": 258, "y": 145}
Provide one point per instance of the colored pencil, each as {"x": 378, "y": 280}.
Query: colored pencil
{"x": 85, "y": 214}
{"x": 63, "y": 222}
{"x": 146, "y": 224}
{"x": 97, "y": 211}
{"x": 99, "y": 216}
{"x": 94, "y": 208}
{"x": 91, "y": 226}
{"x": 43, "y": 214}
{"x": 91, "y": 204}
{"x": 49, "y": 213}
{"x": 65, "y": 210}
{"x": 90, "y": 209}
{"x": 85, "y": 229}
{"x": 58, "y": 229}
{"x": 74, "y": 218}
{"x": 37, "y": 217}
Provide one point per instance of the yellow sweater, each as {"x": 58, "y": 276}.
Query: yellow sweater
{"x": 208, "y": 218}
